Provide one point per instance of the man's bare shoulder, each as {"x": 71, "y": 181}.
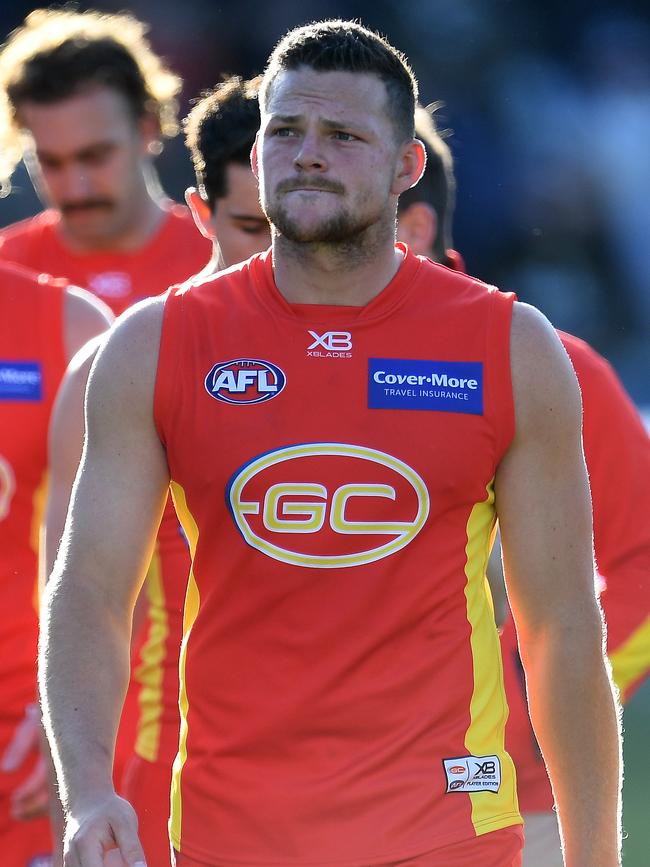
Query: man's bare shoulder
{"x": 543, "y": 379}
{"x": 124, "y": 370}
{"x": 85, "y": 317}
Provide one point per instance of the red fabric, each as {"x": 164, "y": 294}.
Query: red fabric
{"x": 146, "y": 787}
{"x": 322, "y": 701}
{"x": 617, "y": 453}
{"x": 496, "y": 849}
{"x": 177, "y": 251}
{"x": 31, "y": 333}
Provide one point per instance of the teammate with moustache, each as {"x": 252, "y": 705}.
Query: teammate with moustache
{"x": 341, "y": 688}
{"x": 86, "y": 101}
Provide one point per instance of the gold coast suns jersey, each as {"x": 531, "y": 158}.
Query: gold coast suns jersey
{"x": 32, "y": 363}
{"x": 341, "y": 686}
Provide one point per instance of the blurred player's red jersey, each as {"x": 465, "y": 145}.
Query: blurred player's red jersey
{"x": 175, "y": 252}
{"x": 341, "y": 696}
{"x": 32, "y": 363}
{"x": 617, "y": 453}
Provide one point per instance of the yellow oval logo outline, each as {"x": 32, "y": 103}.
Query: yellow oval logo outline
{"x": 315, "y": 561}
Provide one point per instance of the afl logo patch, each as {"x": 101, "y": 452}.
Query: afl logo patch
{"x": 245, "y": 380}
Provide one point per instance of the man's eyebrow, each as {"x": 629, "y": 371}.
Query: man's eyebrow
{"x": 326, "y": 122}
{"x": 285, "y": 118}
{"x": 254, "y": 218}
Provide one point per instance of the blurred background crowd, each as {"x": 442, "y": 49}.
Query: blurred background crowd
{"x": 547, "y": 105}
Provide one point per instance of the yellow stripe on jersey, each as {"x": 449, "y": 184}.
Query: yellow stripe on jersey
{"x": 35, "y": 539}
{"x": 150, "y": 672}
{"x": 192, "y": 605}
{"x": 488, "y": 708}
{"x": 631, "y": 660}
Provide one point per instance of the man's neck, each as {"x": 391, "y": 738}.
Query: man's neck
{"x": 347, "y": 274}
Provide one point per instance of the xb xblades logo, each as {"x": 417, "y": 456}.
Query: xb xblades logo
{"x": 332, "y": 344}
{"x": 487, "y": 769}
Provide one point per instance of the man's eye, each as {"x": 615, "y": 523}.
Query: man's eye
{"x": 284, "y": 132}
{"x": 340, "y": 135}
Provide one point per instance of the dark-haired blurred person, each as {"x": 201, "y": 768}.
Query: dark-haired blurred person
{"x": 43, "y": 322}
{"x": 86, "y": 102}
{"x": 617, "y": 453}
{"x": 220, "y": 132}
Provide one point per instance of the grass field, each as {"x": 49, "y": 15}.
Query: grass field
{"x": 636, "y": 791}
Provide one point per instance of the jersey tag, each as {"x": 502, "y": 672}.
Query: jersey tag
{"x": 473, "y": 774}
{"x": 445, "y": 386}
{"x": 21, "y": 380}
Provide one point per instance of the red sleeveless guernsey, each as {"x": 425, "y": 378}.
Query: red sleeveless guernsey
{"x": 32, "y": 363}
{"x": 342, "y": 698}
{"x": 150, "y": 719}
{"x": 617, "y": 454}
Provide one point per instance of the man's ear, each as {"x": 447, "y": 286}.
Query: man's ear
{"x": 200, "y": 212}
{"x": 149, "y": 126}
{"x": 410, "y": 166}
{"x": 254, "y": 164}
{"x": 417, "y": 226}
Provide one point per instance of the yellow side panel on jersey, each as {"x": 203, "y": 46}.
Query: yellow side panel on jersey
{"x": 149, "y": 674}
{"x": 488, "y": 708}
{"x": 192, "y": 605}
{"x": 38, "y": 512}
{"x": 631, "y": 660}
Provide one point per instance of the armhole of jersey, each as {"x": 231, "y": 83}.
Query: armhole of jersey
{"x": 168, "y": 355}
{"x": 499, "y": 370}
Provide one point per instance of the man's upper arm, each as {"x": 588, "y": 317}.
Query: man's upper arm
{"x": 541, "y": 485}
{"x": 84, "y": 317}
{"x": 65, "y": 444}
{"x": 122, "y": 482}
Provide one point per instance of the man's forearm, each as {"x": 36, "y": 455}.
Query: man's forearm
{"x": 576, "y": 718}
{"x": 83, "y": 676}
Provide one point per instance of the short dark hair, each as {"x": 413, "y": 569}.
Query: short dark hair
{"x": 59, "y": 52}
{"x": 345, "y": 46}
{"x": 437, "y": 186}
{"x": 221, "y": 129}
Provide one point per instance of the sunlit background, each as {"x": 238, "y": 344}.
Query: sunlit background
{"x": 547, "y": 104}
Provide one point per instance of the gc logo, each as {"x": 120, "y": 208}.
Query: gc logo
{"x": 327, "y": 505}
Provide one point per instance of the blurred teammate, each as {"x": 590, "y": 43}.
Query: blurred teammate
{"x": 341, "y": 694}
{"x": 617, "y": 454}
{"x": 42, "y": 323}
{"x": 86, "y": 101}
{"x": 220, "y": 132}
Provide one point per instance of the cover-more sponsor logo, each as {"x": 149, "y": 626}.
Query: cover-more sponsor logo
{"x": 473, "y": 774}
{"x": 21, "y": 380}
{"x": 327, "y": 505}
{"x": 244, "y": 381}
{"x": 332, "y": 344}
{"x": 445, "y": 386}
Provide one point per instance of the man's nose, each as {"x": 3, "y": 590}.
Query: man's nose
{"x": 310, "y": 155}
{"x": 75, "y": 182}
